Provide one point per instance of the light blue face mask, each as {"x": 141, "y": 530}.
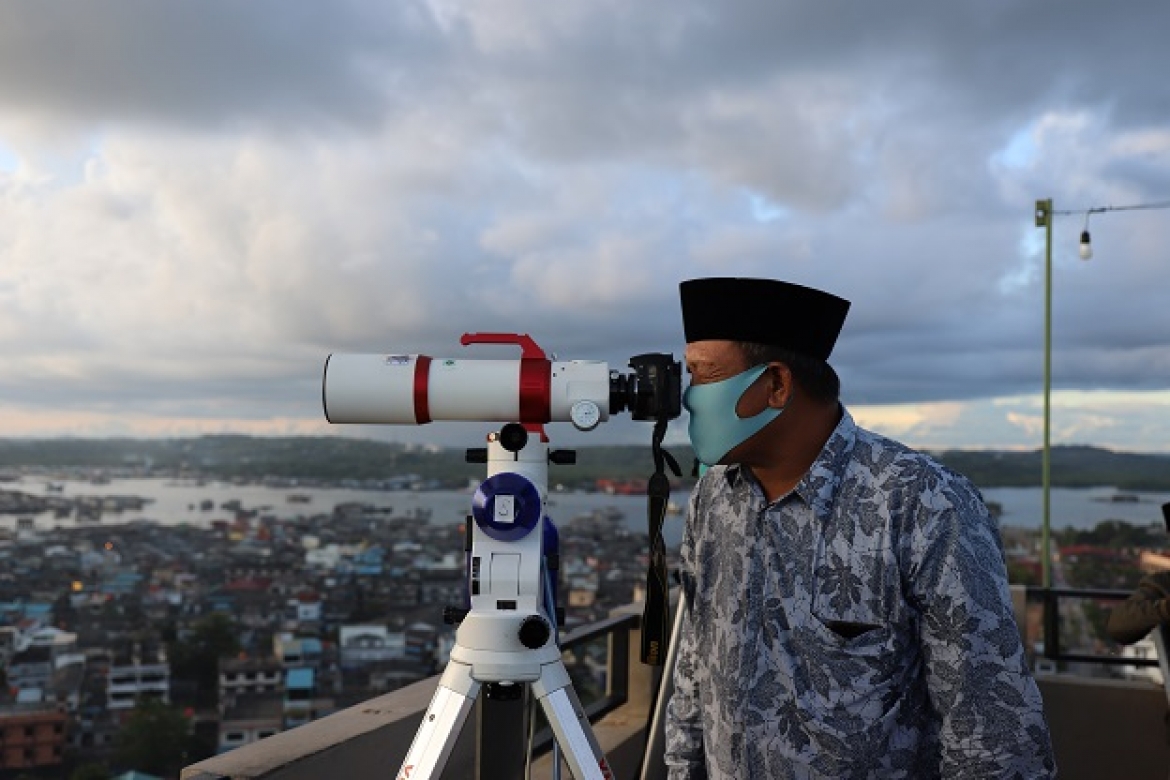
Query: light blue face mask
{"x": 715, "y": 428}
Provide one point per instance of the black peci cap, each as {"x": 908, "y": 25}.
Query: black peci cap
{"x": 764, "y": 311}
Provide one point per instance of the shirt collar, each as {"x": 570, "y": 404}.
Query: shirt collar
{"x": 818, "y": 487}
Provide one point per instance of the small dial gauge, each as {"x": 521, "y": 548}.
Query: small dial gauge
{"x": 585, "y": 415}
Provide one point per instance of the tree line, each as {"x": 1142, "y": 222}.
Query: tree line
{"x": 334, "y": 458}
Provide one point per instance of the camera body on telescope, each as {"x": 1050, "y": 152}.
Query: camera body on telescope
{"x": 413, "y": 389}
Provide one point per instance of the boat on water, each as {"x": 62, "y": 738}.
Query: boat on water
{"x": 1120, "y": 498}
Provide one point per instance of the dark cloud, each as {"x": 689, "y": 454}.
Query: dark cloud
{"x": 211, "y": 62}
{"x": 202, "y": 200}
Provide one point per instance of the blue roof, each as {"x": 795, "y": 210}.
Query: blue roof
{"x": 299, "y": 679}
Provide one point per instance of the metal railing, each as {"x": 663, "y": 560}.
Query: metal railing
{"x": 504, "y": 723}
{"x": 616, "y": 631}
{"x": 366, "y": 739}
{"x": 1053, "y": 651}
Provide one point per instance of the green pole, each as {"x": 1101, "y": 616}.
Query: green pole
{"x": 1044, "y": 219}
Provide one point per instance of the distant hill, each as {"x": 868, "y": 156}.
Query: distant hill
{"x": 333, "y": 458}
{"x": 321, "y": 458}
{"x": 1071, "y": 466}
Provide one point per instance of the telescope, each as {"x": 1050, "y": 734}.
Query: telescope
{"x": 506, "y": 635}
{"x": 414, "y": 389}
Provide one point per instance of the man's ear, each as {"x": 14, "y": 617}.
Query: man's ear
{"x": 780, "y": 385}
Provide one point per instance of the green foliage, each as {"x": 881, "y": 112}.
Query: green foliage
{"x": 1097, "y": 617}
{"x": 197, "y": 658}
{"x": 156, "y": 739}
{"x": 1109, "y": 559}
{"x": 319, "y": 458}
{"x": 1019, "y": 574}
{"x": 1071, "y": 466}
{"x": 332, "y": 458}
{"x": 90, "y": 772}
{"x": 1113, "y": 533}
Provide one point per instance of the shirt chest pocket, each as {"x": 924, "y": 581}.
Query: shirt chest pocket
{"x": 855, "y": 598}
{"x": 848, "y": 666}
{"x": 851, "y": 651}
{"x": 845, "y": 622}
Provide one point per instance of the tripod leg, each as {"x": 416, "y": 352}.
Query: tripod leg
{"x": 441, "y": 724}
{"x": 572, "y": 729}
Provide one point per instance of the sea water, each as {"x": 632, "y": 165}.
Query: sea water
{"x": 173, "y": 502}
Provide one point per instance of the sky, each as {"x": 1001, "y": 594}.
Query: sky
{"x": 200, "y": 201}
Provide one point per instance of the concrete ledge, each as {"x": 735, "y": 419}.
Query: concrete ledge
{"x": 1106, "y": 728}
{"x": 371, "y": 739}
{"x": 1101, "y": 728}
{"x": 354, "y": 742}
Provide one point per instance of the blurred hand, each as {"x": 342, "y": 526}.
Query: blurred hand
{"x": 1161, "y": 581}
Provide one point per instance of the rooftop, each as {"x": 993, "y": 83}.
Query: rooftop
{"x": 1101, "y": 728}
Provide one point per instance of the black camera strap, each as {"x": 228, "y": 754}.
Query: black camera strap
{"x": 656, "y": 613}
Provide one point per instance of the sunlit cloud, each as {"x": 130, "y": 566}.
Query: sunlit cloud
{"x": 198, "y": 206}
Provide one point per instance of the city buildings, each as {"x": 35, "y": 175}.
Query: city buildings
{"x": 250, "y": 625}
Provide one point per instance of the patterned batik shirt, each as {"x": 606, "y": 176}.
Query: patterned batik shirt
{"x": 858, "y": 627}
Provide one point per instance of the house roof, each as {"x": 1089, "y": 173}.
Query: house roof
{"x": 299, "y": 679}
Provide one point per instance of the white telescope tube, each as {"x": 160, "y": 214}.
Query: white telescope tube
{"x": 417, "y": 389}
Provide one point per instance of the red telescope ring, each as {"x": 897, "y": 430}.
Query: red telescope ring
{"x": 535, "y": 376}
{"x": 422, "y": 375}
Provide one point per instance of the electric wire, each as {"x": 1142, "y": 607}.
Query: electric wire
{"x": 1163, "y": 204}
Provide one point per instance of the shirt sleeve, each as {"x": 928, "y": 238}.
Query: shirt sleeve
{"x": 1145, "y": 608}
{"x": 989, "y": 713}
{"x": 684, "y": 756}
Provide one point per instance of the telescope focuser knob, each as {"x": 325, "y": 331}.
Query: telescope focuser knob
{"x": 513, "y": 437}
{"x": 534, "y": 632}
{"x": 562, "y": 457}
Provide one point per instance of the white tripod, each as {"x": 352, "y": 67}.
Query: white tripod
{"x": 507, "y": 635}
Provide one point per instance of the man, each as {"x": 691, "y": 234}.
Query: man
{"x": 847, "y": 610}
{"x": 1147, "y": 608}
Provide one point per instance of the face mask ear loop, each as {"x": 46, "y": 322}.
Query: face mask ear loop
{"x": 782, "y": 408}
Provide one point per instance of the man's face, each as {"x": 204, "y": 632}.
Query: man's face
{"x": 710, "y": 362}
{"x": 714, "y": 361}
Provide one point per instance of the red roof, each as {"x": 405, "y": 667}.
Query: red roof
{"x": 249, "y": 584}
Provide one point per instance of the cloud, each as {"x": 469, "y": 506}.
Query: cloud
{"x": 208, "y": 65}
{"x": 199, "y": 202}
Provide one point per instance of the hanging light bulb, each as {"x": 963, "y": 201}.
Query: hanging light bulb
{"x": 1086, "y": 246}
